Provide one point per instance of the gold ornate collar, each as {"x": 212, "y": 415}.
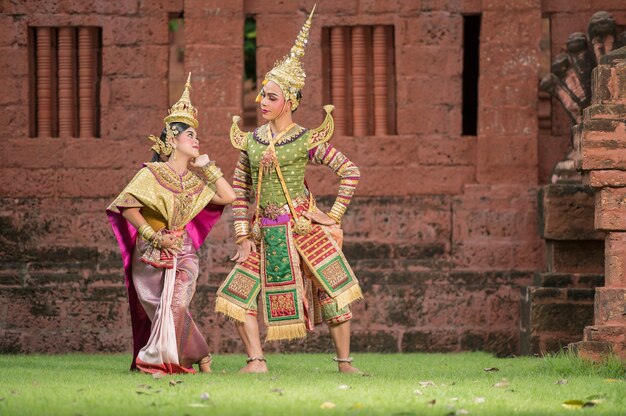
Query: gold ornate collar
{"x": 260, "y": 135}
{"x": 165, "y": 175}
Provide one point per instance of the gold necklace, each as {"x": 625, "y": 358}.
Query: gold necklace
{"x": 269, "y": 158}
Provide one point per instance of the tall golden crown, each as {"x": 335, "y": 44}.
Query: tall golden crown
{"x": 289, "y": 73}
{"x": 183, "y": 111}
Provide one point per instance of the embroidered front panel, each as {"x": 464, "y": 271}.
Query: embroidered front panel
{"x": 282, "y": 305}
{"x": 325, "y": 260}
{"x": 243, "y": 283}
{"x": 335, "y": 273}
{"x": 278, "y": 257}
{"x": 242, "y": 286}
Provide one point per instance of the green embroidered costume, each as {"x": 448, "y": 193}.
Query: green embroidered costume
{"x": 299, "y": 269}
{"x": 303, "y": 278}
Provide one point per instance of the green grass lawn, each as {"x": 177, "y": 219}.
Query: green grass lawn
{"x": 396, "y": 384}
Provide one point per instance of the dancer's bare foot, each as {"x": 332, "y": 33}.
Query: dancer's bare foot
{"x": 255, "y": 365}
{"x": 347, "y": 367}
{"x": 205, "y": 364}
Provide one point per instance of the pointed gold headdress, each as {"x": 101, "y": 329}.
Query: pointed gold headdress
{"x": 181, "y": 112}
{"x": 289, "y": 73}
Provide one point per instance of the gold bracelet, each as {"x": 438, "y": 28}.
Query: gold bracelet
{"x": 337, "y": 211}
{"x": 146, "y": 232}
{"x": 212, "y": 172}
{"x": 334, "y": 217}
{"x": 242, "y": 228}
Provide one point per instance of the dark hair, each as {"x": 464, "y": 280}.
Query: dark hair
{"x": 299, "y": 98}
{"x": 180, "y": 127}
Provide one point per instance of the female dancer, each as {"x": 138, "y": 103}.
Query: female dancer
{"x": 160, "y": 219}
{"x": 292, "y": 253}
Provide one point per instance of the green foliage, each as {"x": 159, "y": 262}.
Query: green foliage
{"x": 308, "y": 384}
{"x": 173, "y": 24}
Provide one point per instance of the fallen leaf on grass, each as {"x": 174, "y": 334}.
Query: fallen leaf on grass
{"x": 205, "y": 396}
{"x": 562, "y": 381}
{"x": 426, "y": 383}
{"x": 142, "y": 392}
{"x": 198, "y": 405}
{"x": 418, "y": 392}
{"x": 328, "y": 405}
{"x": 343, "y": 387}
{"x": 158, "y": 375}
{"x": 573, "y": 404}
{"x": 175, "y": 382}
{"x": 432, "y": 402}
{"x": 578, "y": 404}
{"x": 144, "y": 386}
{"x": 454, "y": 399}
{"x": 491, "y": 369}
{"x": 502, "y": 383}
{"x": 366, "y": 374}
{"x": 479, "y": 400}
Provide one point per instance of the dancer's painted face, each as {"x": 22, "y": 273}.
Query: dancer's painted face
{"x": 273, "y": 102}
{"x": 187, "y": 143}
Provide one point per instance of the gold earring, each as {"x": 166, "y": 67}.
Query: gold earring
{"x": 174, "y": 153}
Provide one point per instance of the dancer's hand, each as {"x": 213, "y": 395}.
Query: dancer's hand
{"x": 319, "y": 217}
{"x": 200, "y": 161}
{"x": 171, "y": 244}
{"x": 243, "y": 250}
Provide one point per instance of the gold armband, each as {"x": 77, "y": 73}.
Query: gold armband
{"x": 146, "y": 232}
{"x": 336, "y": 212}
{"x": 334, "y": 217}
{"x": 242, "y": 228}
{"x": 212, "y": 172}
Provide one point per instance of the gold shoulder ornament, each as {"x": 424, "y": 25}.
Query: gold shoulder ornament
{"x": 324, "y": 132}
{"x": 237, "y": 137}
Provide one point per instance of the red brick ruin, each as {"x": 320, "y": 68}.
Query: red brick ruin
{"x": 472, "y": 228}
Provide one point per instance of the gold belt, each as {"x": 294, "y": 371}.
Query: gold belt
{"x": 273, "y": 211}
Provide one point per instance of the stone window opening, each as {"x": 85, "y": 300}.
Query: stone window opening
{"x": 176, "y": 75}
{"x": 65, "y": 67}
{"x": 359, "y": 79}
{"x": 249, "y": 89}
{"x": 471, "y": 73}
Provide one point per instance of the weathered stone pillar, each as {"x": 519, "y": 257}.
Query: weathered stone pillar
{"x": 600, "y": 143}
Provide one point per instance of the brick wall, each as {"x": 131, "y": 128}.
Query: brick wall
{"x": 443, "y": 230}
